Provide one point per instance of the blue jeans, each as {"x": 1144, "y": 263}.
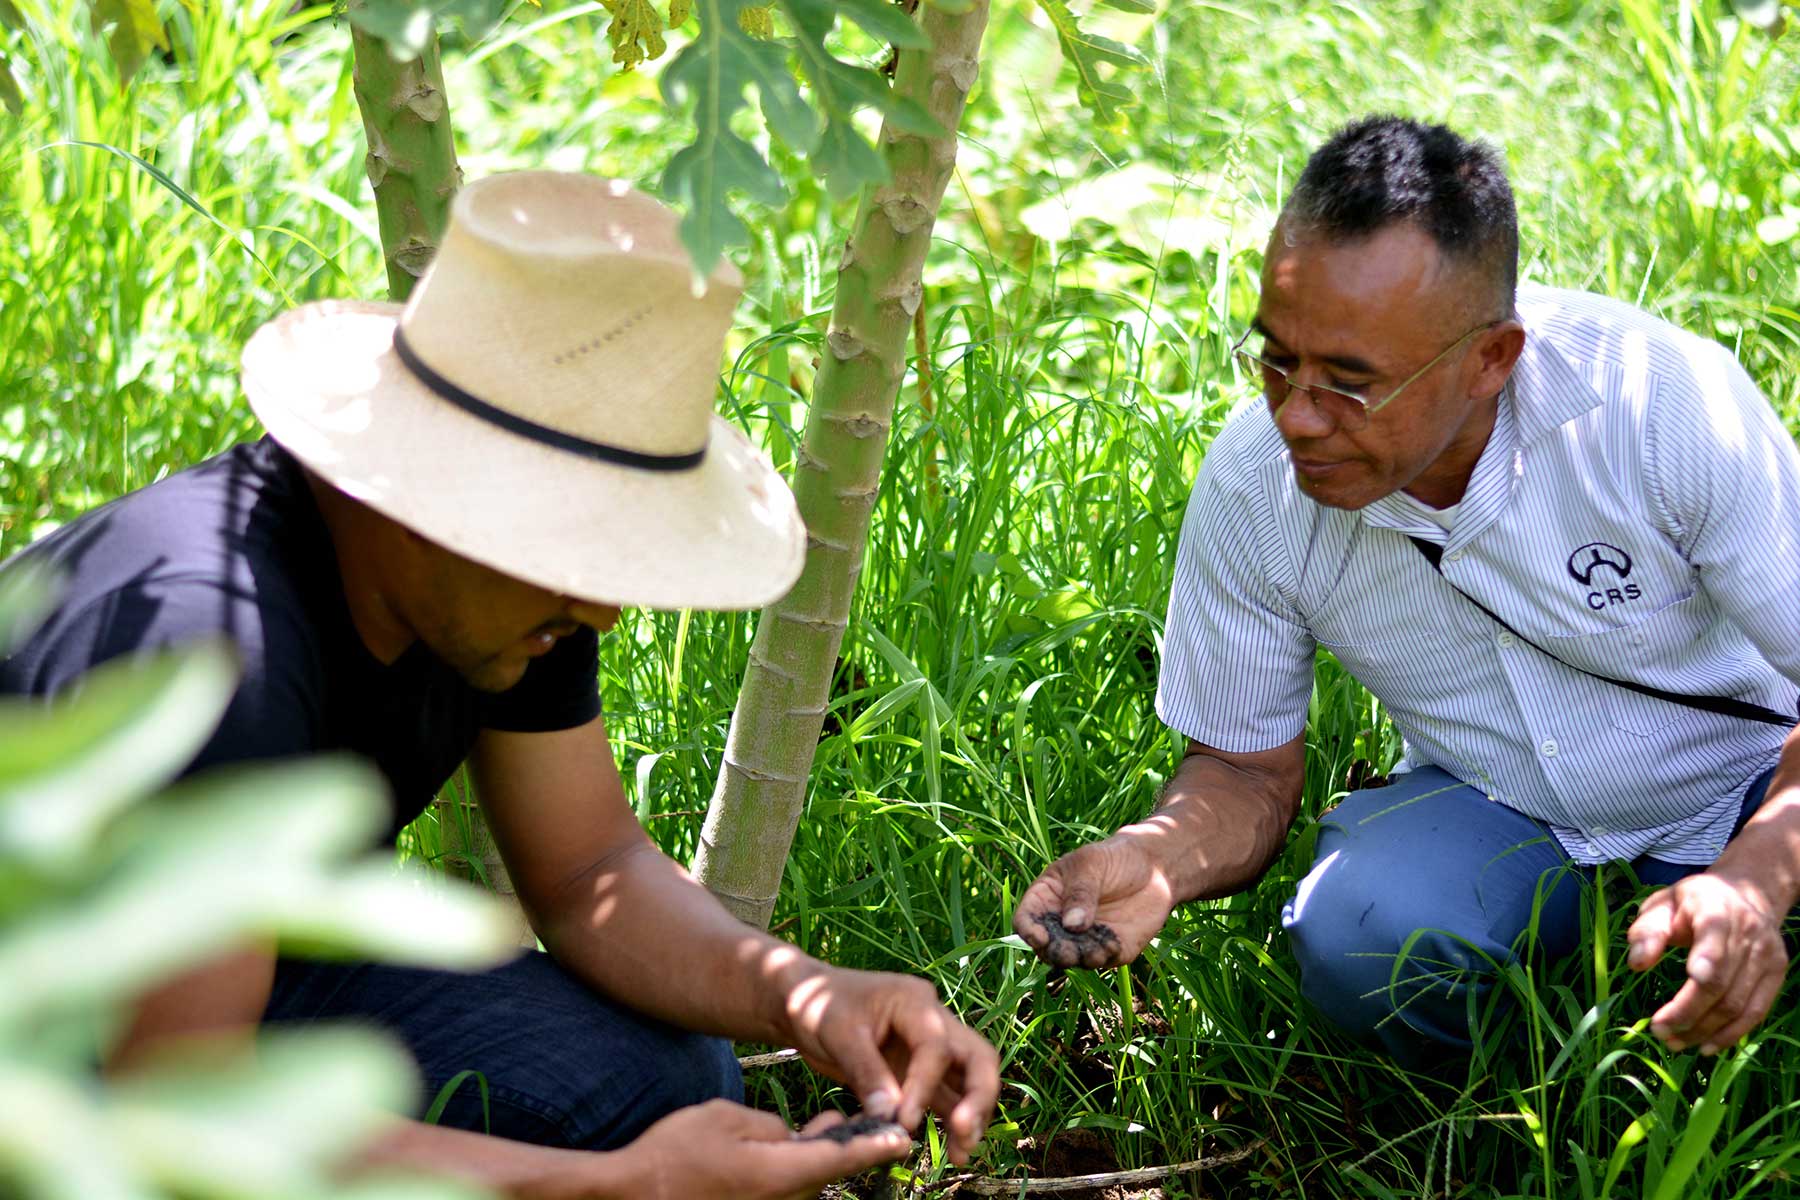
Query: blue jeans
{"x": 564, "y": 1067}
{"x": 1419, "y": 892}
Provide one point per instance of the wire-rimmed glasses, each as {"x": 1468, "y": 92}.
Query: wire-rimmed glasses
{"x": 1352, "y": 407}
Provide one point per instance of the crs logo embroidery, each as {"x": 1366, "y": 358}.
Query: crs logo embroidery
{"x": 1598, "y": 565}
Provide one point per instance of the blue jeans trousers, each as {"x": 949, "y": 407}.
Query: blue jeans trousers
{"x": 1418, "y": 893}
{"x": 564, "y": 1067}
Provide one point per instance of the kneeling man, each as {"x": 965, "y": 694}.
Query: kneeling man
{"x": 453, "y": 501}
{"x": 1558, "y": 539}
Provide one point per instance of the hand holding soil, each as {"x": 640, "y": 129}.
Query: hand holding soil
{"x": 1096, "y": 906}
{"x": 724, "y": 1151}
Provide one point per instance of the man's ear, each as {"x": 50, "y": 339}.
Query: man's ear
{"x": 1496, "y": 353}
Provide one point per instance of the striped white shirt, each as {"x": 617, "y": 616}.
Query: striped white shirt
{"x": 1636, "y": 511}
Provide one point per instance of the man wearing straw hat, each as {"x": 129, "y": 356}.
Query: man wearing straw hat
{"x": 453, "y": 502}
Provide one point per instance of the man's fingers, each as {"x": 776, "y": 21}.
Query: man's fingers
{"x": 867, "y": 1073}
{"x": 750, "y": 1124}
{"x": 1709, "y": 962}
{"x": 1044, "y": 895}
{"x": 1649, "y": 934}
{"x": 981, "y": 1090}
{"x": 1762, "y": 998}
{"x": 1672, "y": 1021}
{"x": 803, "y": 1167}
{"x": 1081, "y": 893}
{"x": 822, "y": 1122}
{"x": 930, "y": 1057}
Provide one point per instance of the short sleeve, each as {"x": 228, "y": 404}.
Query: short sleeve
{"x": 274, "y": 711}
{"x": 1724, "y": 478}
{"x": 1237, "y": 668}
{"x": 561, "y": 690}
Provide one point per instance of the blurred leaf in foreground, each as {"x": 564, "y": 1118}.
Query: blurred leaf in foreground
{"x": 135, "y": 32}
{"x": 109, "y": 887}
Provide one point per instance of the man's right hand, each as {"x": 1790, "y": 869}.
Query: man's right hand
{"x": 1097, "y": 906}
{"x": 724, "y": 1151}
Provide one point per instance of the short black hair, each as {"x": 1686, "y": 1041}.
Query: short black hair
{"x": 1385, "y": 170}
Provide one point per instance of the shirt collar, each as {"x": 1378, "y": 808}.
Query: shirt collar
{"x": 1547, "y": 390}
{"x": 1544, "y": 393}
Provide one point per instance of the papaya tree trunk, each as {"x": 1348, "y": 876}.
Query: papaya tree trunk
{"x": 761, "y": 788}
{"x": 412, "y": 155}
{"x": 412, "y": 167}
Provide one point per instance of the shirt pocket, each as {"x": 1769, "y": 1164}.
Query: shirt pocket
{"x": 1627, "y": 652}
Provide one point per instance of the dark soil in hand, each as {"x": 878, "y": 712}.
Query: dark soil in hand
{"x": 1093, "y": 946}
{"x": 858, "y": 1126}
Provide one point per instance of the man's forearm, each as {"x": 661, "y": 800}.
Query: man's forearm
{"x": 513, "y": 1169}
{"x": 1218, "y": 826}
{"x": 1766, "y": 852}
{"x": 641, "y": 929}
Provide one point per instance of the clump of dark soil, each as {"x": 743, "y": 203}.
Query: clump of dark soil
{"x": 860, "y": 1125}
{"x": 1094, "y": 946}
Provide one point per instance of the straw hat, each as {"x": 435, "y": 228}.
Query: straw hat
{"x": 544, "y": 403}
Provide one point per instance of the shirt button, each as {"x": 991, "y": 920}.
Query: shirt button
{"x": 1548, "y": 747}
{"x": 1454, "y": 556}
{"x": 1601, "y": 831}
{"x": 1504, "y": 640}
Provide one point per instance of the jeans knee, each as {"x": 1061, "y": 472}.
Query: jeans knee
{"x": 1378, "y": 970}
{"x": 672, "y": 1070}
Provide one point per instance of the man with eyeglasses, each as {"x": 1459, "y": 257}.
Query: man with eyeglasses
{"x": 1557, "y": 539}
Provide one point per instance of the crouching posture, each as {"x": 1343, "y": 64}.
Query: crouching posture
{"x": 415, "y": 566}
{"x": 1557, "y": 538}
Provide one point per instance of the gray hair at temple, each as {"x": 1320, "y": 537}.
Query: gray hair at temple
{"x": 1385, "y": 170}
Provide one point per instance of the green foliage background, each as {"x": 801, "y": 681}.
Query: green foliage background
{"x": 994, "y": 700}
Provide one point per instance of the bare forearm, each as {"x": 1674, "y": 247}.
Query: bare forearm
{"x": 1766, "y": 852}
{"x": 514, "y": 1169}
{"x": 1218, "y": 826}
{"x": 640, "y": 929}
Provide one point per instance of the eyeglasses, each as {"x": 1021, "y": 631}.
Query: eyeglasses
{"x": 1351, "y": 406}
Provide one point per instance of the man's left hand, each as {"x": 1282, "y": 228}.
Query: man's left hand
{"x": 903, "y": 1052}
{"x": 1736, "y": 958}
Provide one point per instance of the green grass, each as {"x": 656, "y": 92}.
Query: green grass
{"x": 993, "y": 703}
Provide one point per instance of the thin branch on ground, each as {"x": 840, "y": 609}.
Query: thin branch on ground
{"x": 753, "y": 1061}
{"x": 991, "y": 1185}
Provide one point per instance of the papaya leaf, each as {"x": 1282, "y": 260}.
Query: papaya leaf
{"x": 758, "y": 20}
{"x": 1105, "y": 96}
{"x": 885, "y": 22}
{"x": 844, "y": 157}
{"x": 1131, "y": 6}
{"x": 135, "y": 32}
{"x": 679, "y": 12}
{"x": 407, "y": 25}
{"x": 10, "y": 17}
{"x": 713, "y": 72}
{"x": 636, "y": 32}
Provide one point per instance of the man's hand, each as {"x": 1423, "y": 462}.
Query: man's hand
{"x": 1097, "y": 906}
{"x": 724, "y": 1151}
{"x": 1735, "y": 962}
{"x": 903, "y": 1052}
